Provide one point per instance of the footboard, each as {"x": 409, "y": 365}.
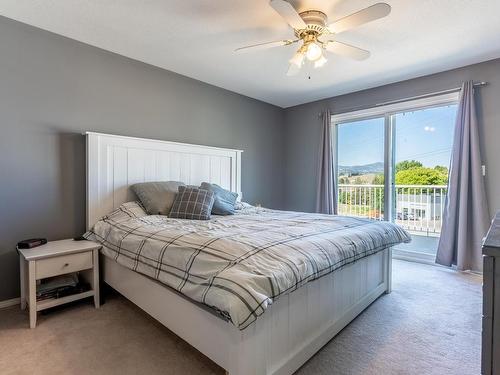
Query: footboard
{"x": 299, "y": 324}
{"x": 290, "y": 332}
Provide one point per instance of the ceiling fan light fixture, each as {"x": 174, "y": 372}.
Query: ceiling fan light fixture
{"x": 297, "y": 59}
{"x": 314, "y": 51}
{"x": 320, "y": 62}
{"x": 312, "y": 26}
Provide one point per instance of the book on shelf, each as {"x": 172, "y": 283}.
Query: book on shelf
{"x": 60, "y": 286}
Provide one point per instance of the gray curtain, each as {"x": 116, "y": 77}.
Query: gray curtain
{"x": 326, "y": 197}
{"x": 465, "y": 217}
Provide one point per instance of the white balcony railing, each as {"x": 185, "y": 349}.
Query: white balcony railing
{"x": 419, "y": 208}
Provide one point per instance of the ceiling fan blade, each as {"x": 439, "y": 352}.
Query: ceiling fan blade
{"x": 369, "y": 14}
{"x": 288, "y": 12}
{"x": 261, "y": 46}
{"x": 347, "y": 50}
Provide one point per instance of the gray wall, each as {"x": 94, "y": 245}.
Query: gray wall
{"x": 52, "y": 89}
{"x": 303, "y": 128}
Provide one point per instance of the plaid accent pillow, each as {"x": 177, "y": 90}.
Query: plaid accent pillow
{"x": 192, "y": 203}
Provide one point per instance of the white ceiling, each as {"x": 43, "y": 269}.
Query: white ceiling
{"x": 197, "y": 38}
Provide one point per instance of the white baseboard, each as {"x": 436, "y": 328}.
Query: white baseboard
{"x": 412, "y": 256}
{"x": 10, "y": 302}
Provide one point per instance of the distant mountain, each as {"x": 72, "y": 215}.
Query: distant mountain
{"x": 353, "y": 170}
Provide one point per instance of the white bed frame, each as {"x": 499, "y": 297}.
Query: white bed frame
{"x": 291, "y": 331}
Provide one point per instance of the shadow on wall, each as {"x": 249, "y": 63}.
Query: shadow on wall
{"x": 9, "y": 269}
{"x": 72, "y": 180}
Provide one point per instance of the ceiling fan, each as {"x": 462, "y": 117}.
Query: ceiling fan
{"x": 311, "y": 25}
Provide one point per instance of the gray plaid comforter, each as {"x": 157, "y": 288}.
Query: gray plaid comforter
{"x": 239, "y": 264}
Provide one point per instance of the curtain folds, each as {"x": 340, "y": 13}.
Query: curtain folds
{"x": 326, "y": 197}
{"x": 465, "y": 216}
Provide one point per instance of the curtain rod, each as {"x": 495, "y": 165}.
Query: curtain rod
{"x": 442, "y": 92}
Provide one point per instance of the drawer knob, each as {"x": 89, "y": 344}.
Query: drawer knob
{"x": 66, "y": 264}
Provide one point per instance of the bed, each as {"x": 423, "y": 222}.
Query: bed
{"x": 258, "y": 292}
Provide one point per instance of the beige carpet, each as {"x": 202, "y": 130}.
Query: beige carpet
{"x": 430, "y": 324}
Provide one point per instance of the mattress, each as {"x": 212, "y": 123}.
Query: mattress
{"x": 239, "y": 264}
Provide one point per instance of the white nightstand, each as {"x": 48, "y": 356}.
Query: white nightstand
{"x": 53, "y": 259}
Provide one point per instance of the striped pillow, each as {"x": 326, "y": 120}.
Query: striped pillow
{"x": 192, "y": 203}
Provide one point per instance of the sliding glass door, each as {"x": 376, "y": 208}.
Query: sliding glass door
{"x": 392, "y": 164}
{"x": 422, "y": 151}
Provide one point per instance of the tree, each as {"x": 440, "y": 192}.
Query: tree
{"x": 407, "y": 164}
{"x": 343, "y": 180}
{"x": 378, "y": 179}
{"x": 441, "y": 169}
{"x": 421, "y": 176}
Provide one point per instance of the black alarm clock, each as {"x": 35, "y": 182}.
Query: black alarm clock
{"x": 31, "y": 243}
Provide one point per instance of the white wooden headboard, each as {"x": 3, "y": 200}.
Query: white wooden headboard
{"x": 115, "y": 162}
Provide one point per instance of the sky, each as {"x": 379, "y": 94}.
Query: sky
{"x": 424, "y": 135}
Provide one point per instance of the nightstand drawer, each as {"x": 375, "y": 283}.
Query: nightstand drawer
{"x": 63, "y": 264}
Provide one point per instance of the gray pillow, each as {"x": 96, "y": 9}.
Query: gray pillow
{"x": 192, "y": 203}
{"x": 157, "y": 197}
{"x": 225, "y": 200}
